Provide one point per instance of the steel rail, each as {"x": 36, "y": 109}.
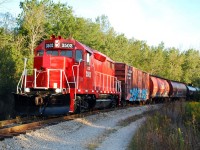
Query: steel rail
{"x": 7, "y": 122}
{"x": 23, "y": 128}
{"x": 8, "y": 132}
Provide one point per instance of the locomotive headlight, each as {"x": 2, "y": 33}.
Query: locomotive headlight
{"x": 58, "y": 90}
{"x": 27, "y": 89}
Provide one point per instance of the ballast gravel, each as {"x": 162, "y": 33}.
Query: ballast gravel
{"x": 101, "y": 131}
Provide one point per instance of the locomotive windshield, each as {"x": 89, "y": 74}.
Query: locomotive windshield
{"x": 52, "y": 52}
{"x": 67, "y": 53}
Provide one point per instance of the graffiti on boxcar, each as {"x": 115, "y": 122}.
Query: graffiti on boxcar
{"x": 144, "y": 94}
{"x": 138, "y": 94}
{"x": 134, "y": 94}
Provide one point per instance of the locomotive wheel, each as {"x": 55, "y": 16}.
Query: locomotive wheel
{"x": 123, "y": 103}
{"x": 84, "y": 103}
{"x": 91, "y": 102}
{"x": 77, "y": 105}
{"x": 114, "y": 103}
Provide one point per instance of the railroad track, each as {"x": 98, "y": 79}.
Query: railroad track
{"x": 17, "y": 129}
{"x": 10, "y": 128}
{"x": 18, "y": 120}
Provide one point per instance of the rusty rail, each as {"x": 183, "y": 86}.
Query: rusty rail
{"x": 8, "y": 132}
{"x": 7, "y": 122}
{"x": 22, "y": 128}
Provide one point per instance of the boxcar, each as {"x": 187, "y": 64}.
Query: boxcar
{"x": 134, "y": 82}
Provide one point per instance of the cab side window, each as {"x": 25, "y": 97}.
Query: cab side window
{"x": 40, "y": 52}
{"x": 78, "y": 55}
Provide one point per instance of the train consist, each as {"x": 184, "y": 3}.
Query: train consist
{"x": 69, "y": 77}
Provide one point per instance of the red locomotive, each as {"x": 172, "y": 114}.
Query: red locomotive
{"x": 68, "y": 77}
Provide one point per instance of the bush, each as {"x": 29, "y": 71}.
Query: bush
{"x": 193, "y": 114}
{"x": 175, "y": 126}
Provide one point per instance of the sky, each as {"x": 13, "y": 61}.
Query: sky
{"x": 174, "y": 22}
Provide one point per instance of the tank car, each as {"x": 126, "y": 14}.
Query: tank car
{"x": 67, "y": 77}
{"x": 191, "y": 92}
{"x": 178, "y": 90}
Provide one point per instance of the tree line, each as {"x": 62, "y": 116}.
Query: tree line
{"x": 38, "y": 20}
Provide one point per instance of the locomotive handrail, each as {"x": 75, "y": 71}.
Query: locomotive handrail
{"x": 113, "y": 78}
{"x": 20, "y": 81}
{"x": 77, "y": 77}
{"x": 118, "y": 87}
{"x": 66, "y": 79}
{"x": 23, "y": 79}
{"x": 76, "y": 80}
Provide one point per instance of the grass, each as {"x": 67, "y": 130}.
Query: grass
{"x": 133, "y": 118}
{"x": 175, "y": 126}
{"x": 94, "y": 143}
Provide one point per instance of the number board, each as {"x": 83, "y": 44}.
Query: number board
{"x": 49, "y": 45}
{"x": 67, "y": 45}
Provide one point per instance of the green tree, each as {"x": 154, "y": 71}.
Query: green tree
{"x": 173, "y": 64}
{"x": 191, "y": 66}
{"x": 10, "y": 62}
{"x": 156, "y": 60}
{"x": 31, "y": 22}
{"x": 59, "y": 20}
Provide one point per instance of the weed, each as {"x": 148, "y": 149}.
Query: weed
{"x": 175, "y": 126}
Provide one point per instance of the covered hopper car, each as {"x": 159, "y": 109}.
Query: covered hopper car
{"x": 159, "y": 87}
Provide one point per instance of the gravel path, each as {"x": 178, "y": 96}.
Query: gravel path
{"x": 102, "y": 131}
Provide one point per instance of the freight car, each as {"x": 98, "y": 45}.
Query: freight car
{"x": 67, "y": 77}
{"x": 141, "y": 87}
{"x": 191, "y": 92}
{"x": 159, "y": 89}
{"x": 134, "y": 82}
{"x": 178, "y": 90}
